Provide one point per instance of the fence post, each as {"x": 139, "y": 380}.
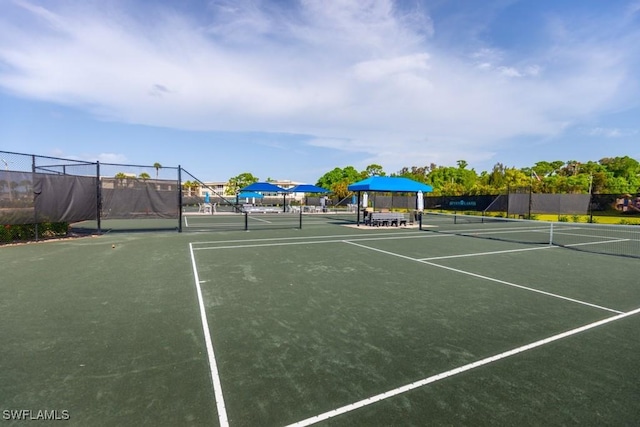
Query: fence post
{"x": 35, "y": 195}
{"x": 179, "y": 199}
{"x": 98, "y": 198}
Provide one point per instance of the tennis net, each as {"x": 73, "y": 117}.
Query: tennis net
{"x": 620, "y": 240}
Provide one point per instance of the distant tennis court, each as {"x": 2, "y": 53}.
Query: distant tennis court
{"x": 330, "y": 324}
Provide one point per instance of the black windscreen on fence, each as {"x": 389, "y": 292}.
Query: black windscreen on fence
{"x": 17, "y": 205}
{"x": 65, "y": 198}
{"x": 41, "y": 189}
{"x": 459, "y": 203}
{"x": 558, "y": 204}
{"x": 134, "y": 198}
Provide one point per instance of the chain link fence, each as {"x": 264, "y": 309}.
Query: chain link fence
{"x": 42, "y": 196}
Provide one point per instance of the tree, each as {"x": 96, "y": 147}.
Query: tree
{"x": 416, "y": 173}
{"x": 191, "y": 186}
{"x": 144, "y": 176}
{"x": 373, "y": 170}
{"x": 157, "y": 167}
{"x": 120, "y": 178}
{"x": 236, "y": 183}
{"x": 452, "y": 181}
{"x": 338, "y": 180}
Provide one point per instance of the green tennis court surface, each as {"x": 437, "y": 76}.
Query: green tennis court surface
{"x": 328, "y": 324}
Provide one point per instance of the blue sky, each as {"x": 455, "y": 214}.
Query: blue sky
{"x": 291, "y": 89}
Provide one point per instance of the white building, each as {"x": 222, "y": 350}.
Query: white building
{"x": 220, "y": 188}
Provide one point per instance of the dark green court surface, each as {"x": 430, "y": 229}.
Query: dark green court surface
{"x": 329, "y": 324}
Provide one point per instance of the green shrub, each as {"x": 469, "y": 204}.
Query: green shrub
{"x": 27, "y": 232}
{"x": 563, "y": 218}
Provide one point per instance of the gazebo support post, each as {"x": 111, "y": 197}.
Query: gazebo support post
{"x": 358, "y": 211}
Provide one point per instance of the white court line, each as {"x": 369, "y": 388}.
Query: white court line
{"x": 331, "y": 236}
{"x": 489, "y": 253}
{"x": 186, "y": 222}
{"x": 259, "y": 219}
{"x": 597, "y": 243}
{"x": 285, "y": 240}
{"x": 215, "y": 377}
{"x": 479, "y": 276}
{"x": 498, "y": 231}
{"x": 456, "y": 371}
{"x": 265, "y": 245}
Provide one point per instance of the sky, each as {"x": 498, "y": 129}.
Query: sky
{"x": 290, "y": 90}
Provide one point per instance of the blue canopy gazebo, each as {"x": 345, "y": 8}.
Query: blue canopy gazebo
{"x": 249, "y": 195}
{"x": 266, "y": 187}
{"x": 309, "y": 188}
{"x": 388, "y": 184}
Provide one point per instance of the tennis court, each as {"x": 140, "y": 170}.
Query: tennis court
{"x": 330, "y": 324}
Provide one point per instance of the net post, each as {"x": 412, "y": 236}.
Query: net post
{"x": 420, "y": 221}
{"x": 300, "y": 217}
{"x": 358, "y": 210}
{"x": 246, "y": 221}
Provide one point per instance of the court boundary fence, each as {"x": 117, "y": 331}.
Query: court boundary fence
{"x": 37, "y": 189}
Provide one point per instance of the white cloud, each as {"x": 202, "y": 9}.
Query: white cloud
{"x": 106, "y": 157}
{"x": 610, "y": 132}
{"x": 355, "y": 76}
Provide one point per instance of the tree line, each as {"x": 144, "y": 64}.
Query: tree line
{"x": 610, "y": 175}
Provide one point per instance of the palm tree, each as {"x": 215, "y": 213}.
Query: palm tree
{"x": 120, "y": 177}
{"x": 190, "y": 187}
{"x": 157, "y": 166}
{"x": 144, "y": 176}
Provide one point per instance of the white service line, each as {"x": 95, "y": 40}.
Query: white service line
{"x": 330, "y": 236}
{"x": 537, "y": 248}
{"x": 215, "y": 377}
{"x": 259, "y": 245}
{"x": 259, "y": 219}
{"x": 456, "y": 371}
{"x": 263, "y": 245}
{"x": 597, "y": 243}
{"x": 479, "y": 276}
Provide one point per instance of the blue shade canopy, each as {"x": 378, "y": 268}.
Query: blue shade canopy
{"x": 395, "y": 184}
{"x": 266, "y": 187}
{"x": 249, "y": 195}
{"x": 308, "y": 188}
